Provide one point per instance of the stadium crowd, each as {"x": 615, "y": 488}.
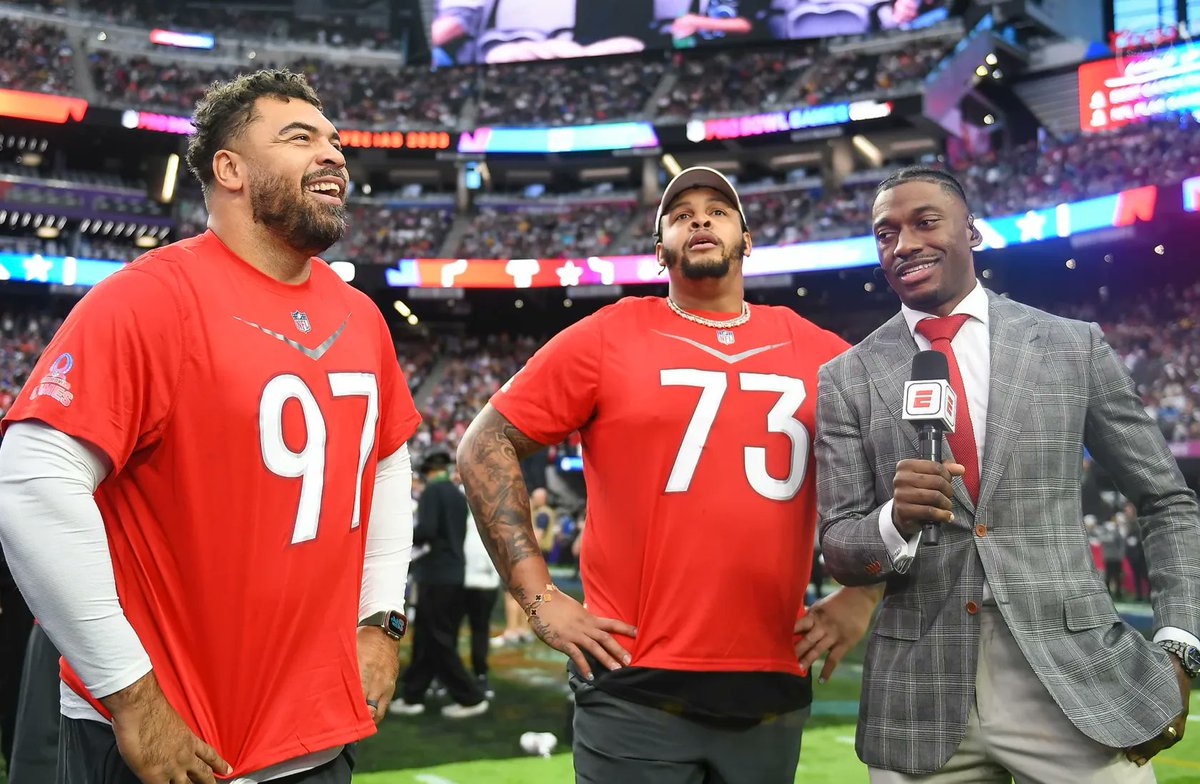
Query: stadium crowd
{"x": 35, "y": 57}
{"x": 545, "y": 232}
{"x": 567, "y": 92}
{"x": 472, "y": 369}
{"x": 24, "y": 333}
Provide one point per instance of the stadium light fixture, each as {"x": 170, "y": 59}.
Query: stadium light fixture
{"x": 413, "y": 319}
{"x": 169, "y": 177}
{"x": 801, "y": 292}
{"x": 981, "y": 71}
{"x": 671, "y": 165}
{"x": 1159, "y": 249}
{"x": 519, "y": 304}
{"x": 987, "y": 273}
{"x": 401, "y": 308}
{"x": 989, "y": 119}
{"x": 997, "y": 74}
{"x": 1071, "y": 264}
{"x": 366, "y": 189}
{"x": 102, "y": 36}
{"x": 991, "y": 59}
{"x": 47, "y": 232}
{"x": 868, "y": 149}
{"x": 567, "y": 302}
{"x": 868, "y": 287}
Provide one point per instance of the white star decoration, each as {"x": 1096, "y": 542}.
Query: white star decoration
{"x": 1032, "y": 226}
{"x": 569, "y": 274}
{"x": 37, "y": 268}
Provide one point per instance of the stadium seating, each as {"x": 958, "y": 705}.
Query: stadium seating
{"x": 35, "y": 57}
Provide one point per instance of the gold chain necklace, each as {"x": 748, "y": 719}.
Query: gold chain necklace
{"x": 736, "y": 321}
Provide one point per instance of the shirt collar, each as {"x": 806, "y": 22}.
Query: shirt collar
{"x": 974, "y": 305}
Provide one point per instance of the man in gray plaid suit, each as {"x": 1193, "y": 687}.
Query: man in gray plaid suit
{"x": 998, "y": 653}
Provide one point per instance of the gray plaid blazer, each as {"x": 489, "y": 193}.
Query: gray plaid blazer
{"x": 1056, "y": 387}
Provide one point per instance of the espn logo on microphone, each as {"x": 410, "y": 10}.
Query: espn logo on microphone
{"x": 930, "y": 401}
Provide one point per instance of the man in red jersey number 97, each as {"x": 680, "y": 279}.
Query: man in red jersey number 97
{"x": 696, "y": 412}
{"x": 204, "y": 487}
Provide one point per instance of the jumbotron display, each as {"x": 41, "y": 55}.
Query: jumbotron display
{"x": 1121, "y": 90}
{"x": 463, "y": 32}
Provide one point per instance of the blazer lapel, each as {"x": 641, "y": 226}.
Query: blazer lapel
{"x": 1016, "y": 354}
{"x": 889, "y": 366}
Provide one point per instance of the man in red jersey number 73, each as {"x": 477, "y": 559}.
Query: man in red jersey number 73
{"x": 696, "y": 412}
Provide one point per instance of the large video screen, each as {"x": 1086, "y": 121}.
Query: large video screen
{"x": 463, "y": 32}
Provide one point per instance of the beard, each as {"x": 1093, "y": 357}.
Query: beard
{"x": 306, "y": 225}
{"x": 699, "y": 270}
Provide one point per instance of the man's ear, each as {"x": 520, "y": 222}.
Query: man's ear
{"x": 662, "y": 265}
{"x": 229, "y": 171}
{"x": 976, "y": 237}
{"x": 749, "y": 244}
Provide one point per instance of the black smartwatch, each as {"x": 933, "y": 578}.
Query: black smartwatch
{"x": 393, "y": 623}
{"x": 1188, "y": 656}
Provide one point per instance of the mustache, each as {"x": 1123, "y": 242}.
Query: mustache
{"x": 339, "y": 173}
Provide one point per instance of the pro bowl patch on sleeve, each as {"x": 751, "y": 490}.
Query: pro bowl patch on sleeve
{"x": 54, "y": 384}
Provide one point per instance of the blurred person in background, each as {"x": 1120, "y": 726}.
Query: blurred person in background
{"x": 1111, "y": 536}
{"x": 1135, "y": 554}
{"x": 441, "y": 529}
{"x": 481, "y": 582}
{"x": 695, "y": 413}
{"x": 545, "y": 520}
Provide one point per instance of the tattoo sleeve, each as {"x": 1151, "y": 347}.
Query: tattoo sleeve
{"x": 489, "y": 464}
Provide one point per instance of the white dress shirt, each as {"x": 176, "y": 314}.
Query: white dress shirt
{"x": 972, "y": 349}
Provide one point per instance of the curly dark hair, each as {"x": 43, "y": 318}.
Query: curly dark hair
{"x": 227, "y": 108}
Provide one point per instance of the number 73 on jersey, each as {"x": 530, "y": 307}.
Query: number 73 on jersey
{"x": 781, "y": 418}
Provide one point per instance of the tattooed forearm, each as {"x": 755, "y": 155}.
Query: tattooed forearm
{"x": 489, "y": 464}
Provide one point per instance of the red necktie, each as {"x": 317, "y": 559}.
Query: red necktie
{"x": 939, "y": 332}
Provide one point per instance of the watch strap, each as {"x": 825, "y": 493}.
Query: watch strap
{"x": 1188, "y": 656}
{"x": 393, "y": 622}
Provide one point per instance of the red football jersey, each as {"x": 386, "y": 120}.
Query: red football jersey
{"x": 697, "y": 453}
{"x": 244, "y": 418}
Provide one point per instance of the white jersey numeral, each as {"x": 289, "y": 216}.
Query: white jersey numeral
{"x": 780, "y": 419}
{"x": 308, "y": 464}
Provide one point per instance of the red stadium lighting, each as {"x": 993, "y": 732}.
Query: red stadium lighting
{"x": 41, "y": 108}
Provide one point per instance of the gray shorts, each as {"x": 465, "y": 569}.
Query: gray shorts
{"x": 87, "y": 754}
{"x": 619, "y": 740}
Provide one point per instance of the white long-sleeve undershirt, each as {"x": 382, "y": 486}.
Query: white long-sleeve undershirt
{"x": 55, "y": 544}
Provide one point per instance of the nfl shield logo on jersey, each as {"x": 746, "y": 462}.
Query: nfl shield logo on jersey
{"x": 724, "y": 337}
{"x": 301, "y": 320}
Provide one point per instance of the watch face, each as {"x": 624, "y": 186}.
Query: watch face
{"x": 397, "y": 624}
{"x": 1191, "y": 661}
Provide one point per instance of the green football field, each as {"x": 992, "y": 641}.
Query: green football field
{"x": 531, "y": 695}
{"x": 431, "y": 750}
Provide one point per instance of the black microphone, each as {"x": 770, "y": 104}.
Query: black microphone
{"x": 929, "y": 404}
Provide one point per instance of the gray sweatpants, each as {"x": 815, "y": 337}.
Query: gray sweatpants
{"x": 618, "y": 740}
